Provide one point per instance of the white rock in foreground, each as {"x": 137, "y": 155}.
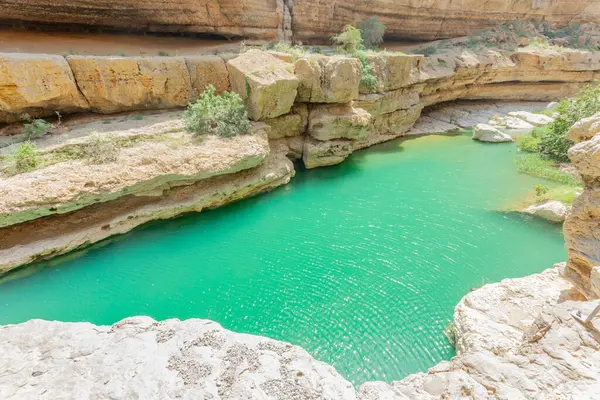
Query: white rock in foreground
{"x": 487, "y": 133}
{"x": 554, "y": 210}
{"x": 139, "y": 358}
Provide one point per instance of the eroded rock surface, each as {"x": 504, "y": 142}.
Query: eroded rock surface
{"x": 141, "y": 358}
{"x": 554, "y": 211}
{"x": 515, "y": 340}
{"x": 582, "y": 229}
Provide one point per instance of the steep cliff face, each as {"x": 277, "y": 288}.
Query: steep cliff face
{"x": 431, "y": 19}
{"x": 251, "y": 18}
{"x": 582, "y": 227}
{"x": 306, "y": 20}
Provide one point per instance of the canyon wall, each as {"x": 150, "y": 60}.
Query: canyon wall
{"x": 306, "y": 20}
{"x": 582, "y": 226}
{"x": 314, "y": 109}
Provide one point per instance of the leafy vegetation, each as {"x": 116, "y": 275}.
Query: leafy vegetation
{"x": 528, "y": 144}
{"x": 224, "y": 115}
{"x": 553, "y": 138}
{"x": 25, "y": 158}
{"x": 369, "y": 81}
{"x": 537, "y": 165}
{"x": 295, "y": 51}
{"x": 372, "y": 31}
{"x": 540, "y": 189}
{"x": 350, "y": 39}
{"x": 102, "y": 149}
{"x": 35, "y": 127}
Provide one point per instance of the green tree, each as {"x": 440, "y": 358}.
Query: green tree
{"x": 372, "y": 32}
{"x": 350, "y": 39}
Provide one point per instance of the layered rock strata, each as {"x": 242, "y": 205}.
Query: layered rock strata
{"x": 304, "y": 20}
{"x": 314, "y": 110}
{"x": 582, "y": 226}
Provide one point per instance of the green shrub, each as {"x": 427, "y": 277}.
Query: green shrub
{"x": 537, "y": 165}
{"x": 369, "y": 81}
{"x": 426, "y": 51}
{"x": 540, "y": 190}
{"x": 224, "y": 115}
{"x": 102, "y": 149}
{"x": 349, "y": 39}
{"x": 554, "y": 143}
{"x": 36, "y": 127}
{"x": 295, "y": 51}
{"x": 528, "y": 144}
{"x": 162, "y": 53}
{"x": 25, "y": 158}
{"x": 372, "y": 32}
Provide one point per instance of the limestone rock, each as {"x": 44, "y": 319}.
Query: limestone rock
{"x": 432, "y": 20}
{"x": 317, "y": 153}
{"x": 267, "y": 84}
{"x": 36, "y": 84}
{"x": 554, "y": 211}
{"x": 141, "y": 358}
{"x": 487, "y": 133}
{"x": 339, "y": 121}
{"x": 511, "y": 123}
{"x": 59, "y": 234}
{"x": 254, "y": 19}
{"x": 328, "y": 79}
{"x": 532, "y": 119}
{"x": 207, "y": 70}
{"x": 289, "y": 125}
{"x": 113, "y": 84}
{"x": 394, "y": 71}
{"x": 149, "y": 165}
{"x": 585, "y": 129}
{"x": 516, "y": 340}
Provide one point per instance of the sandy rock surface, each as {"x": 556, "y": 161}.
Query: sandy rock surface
{"x": 327, "y": 79}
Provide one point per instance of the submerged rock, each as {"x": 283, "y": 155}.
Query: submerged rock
{"x": 487, "y": 133}
{"x": 554, "y": 211}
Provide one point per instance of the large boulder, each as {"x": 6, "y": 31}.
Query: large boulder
{"x": 113, "y": 84}
{"x": 585, "y": 129}
{"x": 531, "y": 118}
{"x": 317, "y": 153}
{"x": 36, "y": 84}
{"x": 328, "y": 79}
{"x": 207, "y": 70}
{"x": 554, "y": 211}
{"x": 267, "y": 84}
{"x": 393, "y": 71}
{"x": 337, "y": 121}
{"x": 289, "y": 125}
{"x": 487, "y": 133}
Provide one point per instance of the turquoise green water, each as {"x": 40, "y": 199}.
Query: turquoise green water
{"x": 361, "y": 264}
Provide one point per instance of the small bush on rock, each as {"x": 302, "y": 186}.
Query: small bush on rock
{"x": 350, "y": 39}
{"x": 25, "y": 158}
{"x": 224, "y": 115}
{"x": 35, "y": 127}
{"x": 540, "y": 190}
{"x": 102, "y": 149}
{"x": 372, "y": 32}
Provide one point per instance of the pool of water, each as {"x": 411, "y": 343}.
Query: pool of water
{"x": 361, "y": 264}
